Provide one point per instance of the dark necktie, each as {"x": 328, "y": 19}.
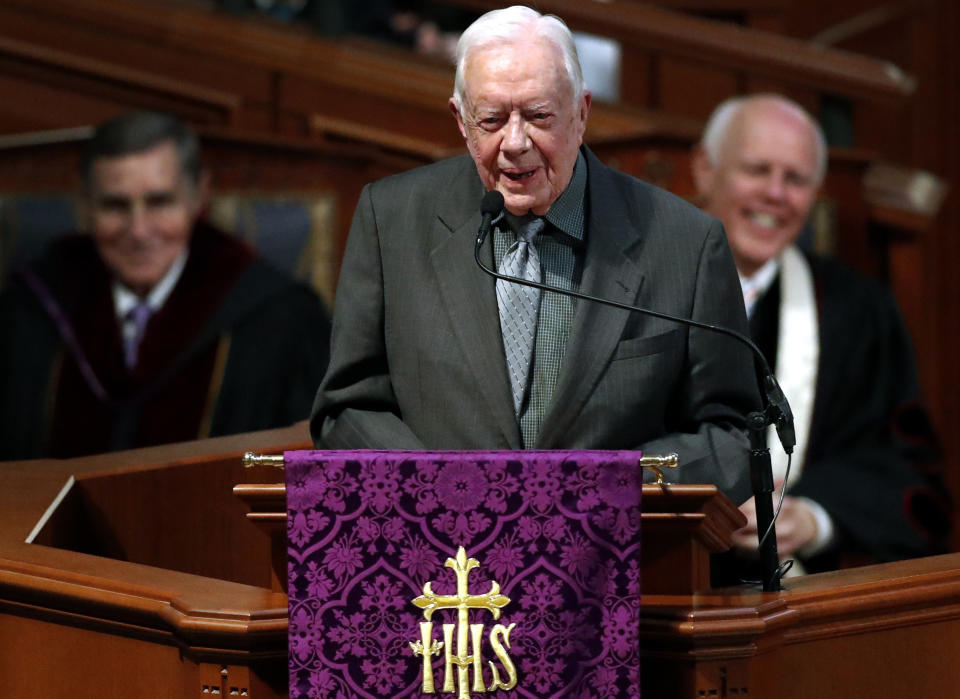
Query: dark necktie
{"x": 139, "y": 315}
{"x": 519, "y": 306}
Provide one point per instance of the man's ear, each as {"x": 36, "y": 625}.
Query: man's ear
{"x": 703, "y": 172}
{"x": 456, "y": 115}
{"x": 584, "y": 111}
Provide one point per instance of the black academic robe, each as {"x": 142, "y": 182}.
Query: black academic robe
{"x": 873, "y": 460}
{"x": 236, "y": 347}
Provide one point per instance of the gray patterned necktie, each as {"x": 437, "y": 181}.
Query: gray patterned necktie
{"x": 519, "y": 306}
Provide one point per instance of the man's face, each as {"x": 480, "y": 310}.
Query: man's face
{"x": 764, "y": 183}
{"x": 520, "y": 122}
{"x": 141, "y": 209}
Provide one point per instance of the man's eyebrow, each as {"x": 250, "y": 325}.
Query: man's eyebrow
{"x": 111, "y": 197}
{"x": 157, "y": 193}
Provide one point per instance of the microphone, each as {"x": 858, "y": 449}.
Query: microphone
{"x": 776, "y": 410}
{"x": 490, "y": 207}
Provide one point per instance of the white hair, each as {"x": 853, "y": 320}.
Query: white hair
{"x": 718, "y": 126}
{"x": 508, "y": 25}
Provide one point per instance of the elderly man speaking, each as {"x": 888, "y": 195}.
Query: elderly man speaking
{"x": 430, "y": 352}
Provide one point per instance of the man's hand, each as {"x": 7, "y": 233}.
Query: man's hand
{"x": 796, "y": 527}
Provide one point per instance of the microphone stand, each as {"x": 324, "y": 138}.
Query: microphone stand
{"x": 776, "y": 409}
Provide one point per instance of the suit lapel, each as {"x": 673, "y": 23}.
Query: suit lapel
{"x": 469, "y": 297}
{"x": 612, "y": 270}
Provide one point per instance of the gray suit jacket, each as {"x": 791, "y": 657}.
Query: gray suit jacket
{"x": 417, "y": 358}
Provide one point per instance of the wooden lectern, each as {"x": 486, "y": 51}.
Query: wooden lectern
{"x": 681, "y": 526}
{"x": 888, "y": 630}
{"x": 137, "y": 574}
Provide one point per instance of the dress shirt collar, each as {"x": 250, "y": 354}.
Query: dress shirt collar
{"x": 566, "y": 214}
{"x": 756, "y": 285}
{"x": 124, "y": 300}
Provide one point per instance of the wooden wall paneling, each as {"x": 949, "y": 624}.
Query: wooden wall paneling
{"x": 890, "y": 40}
{"x": 921, "y": 134}
{"x": 714, "y": 85}
{"x": 183, "y": 36}
{"x": 732, "y": 6}
{"x": 657, "y": 30}
{"x": 751, "y": 84}
{"x": 807, "y": 97}
{"x": 281, "y": 79}
{"x": 910, "y": 263}
{"x": 663, "y": 162}
{"x": 270, "y": 164}
{"x": 299, "y": 166}
{"x": 886, "y": 128}
{"x": 651, "y": 145}
{"x": 312, "y": 79}
{"x": 937, "y": 148}
{"x": 62, "y": 87}
{"x": 928, "y": 135}
{"x": 764, "y": 15}
{"x": 131, "y": 44}
{"x": 766, "y": 21}
{"x": 727, "y": 46}
{"x": 50, "y": 166}
{"x": 429, "y": 120}
{"x": 333, "y": 129}
{"x": 39, "y": 107}
{"x": 808, "y": 20}
{"x": 843, "y": 191}
{"x": 639, "y": 77}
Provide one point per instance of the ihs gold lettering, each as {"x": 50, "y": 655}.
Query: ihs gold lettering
{"x": 469, "y": 637}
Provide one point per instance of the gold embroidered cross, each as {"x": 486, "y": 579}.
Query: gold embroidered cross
{"x": 463, "y": 602}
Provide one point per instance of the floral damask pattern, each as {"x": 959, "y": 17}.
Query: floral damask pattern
{"x": 559, "y": 531}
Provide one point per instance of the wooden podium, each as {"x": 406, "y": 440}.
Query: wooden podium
{"x": 889, "y": 630}
{"x": 681, "y": 526}
{"x": 138, "y": 574}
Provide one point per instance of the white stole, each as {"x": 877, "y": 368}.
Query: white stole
{"x": 798, "y": 354}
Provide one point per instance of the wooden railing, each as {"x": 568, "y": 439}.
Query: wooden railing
{"x": 267, "y": 66}
{"x": 42, "y": 80}
{"x": 747, "y": 53}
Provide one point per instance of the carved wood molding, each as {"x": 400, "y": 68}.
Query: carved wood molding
{"x": 37, "y": 62}
{"x": 751, "y": 51}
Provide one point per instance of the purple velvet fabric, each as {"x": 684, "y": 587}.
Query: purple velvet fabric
{"x": 558, "y": 530}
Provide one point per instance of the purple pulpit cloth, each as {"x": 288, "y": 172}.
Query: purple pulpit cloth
{"x": 548, "y": 578}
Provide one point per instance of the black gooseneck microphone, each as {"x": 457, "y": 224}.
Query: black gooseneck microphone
{"x": 776, "y": 410}
{"x": 490, "y": 207}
